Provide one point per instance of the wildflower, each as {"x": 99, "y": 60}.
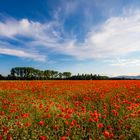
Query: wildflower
{"x": 9, "y": 137}
{"x": 90, "y": 120}
{"x": 93, "y": 107}
{"x": 48, "y": 115}
{"x": 0, "y": 137}
{"x": 27, "y": 124}
{"x": 25, "y": 115}
{"x": 111, "y": 136}
{"x": 106, "y": 134}
{"x": 63, "y": 138}
{"x": 133, "y": 115}
{"x": 96, "y": 119}
{"x": 66, "y": 122}
{"x": 78, "y": 125}
{"x": 67, "y": 103}
{"x": 41, "y": 106}
{"x": 5, "y": 130}
{"x": 77, "y": 103}
{"x": 100, "y": 125}
{"x": 71, "y": 124}
{"x": 41, "y": 123}
{"x": 47, "y": 109}
{"x": 115, "y": 113}
{"x": 121, "y": 137}
{"x": 56, "y": 127}
{"x": 138, "y": 112}
{"x": 67, "y": 116}
{"x": 42, "y": 137}
{"x": 104, "y": 116}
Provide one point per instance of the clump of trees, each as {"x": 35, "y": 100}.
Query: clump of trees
{"x": 29, "y": 73}
{"x": 89, "y": 77}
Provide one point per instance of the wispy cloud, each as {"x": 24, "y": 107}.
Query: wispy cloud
{"x": 22, "y": 30}
{"x": 121, "y": 62}
{"x": 115, "y": 37}
{"x": 36, "y": 30}
{"x": 65, "y": 9}
{"x": 20, "y": 53}
{"x": 8, "y": 49}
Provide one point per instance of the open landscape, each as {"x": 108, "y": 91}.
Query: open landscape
{"x": 69, "y": 69}
{"x": 70, "y": 110}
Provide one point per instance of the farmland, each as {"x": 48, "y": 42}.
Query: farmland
{"x": 70, "y": 110}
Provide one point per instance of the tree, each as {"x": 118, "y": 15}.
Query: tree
{"x": 60, "y": 75}
{"x": 29, "y": 73}
{"x": 47, "y": 74}
{"x": 23, "y": 73}
{"x": 66, "y": 75}
{"x": 53, "y": 74}
{"x": 2, "y": 77}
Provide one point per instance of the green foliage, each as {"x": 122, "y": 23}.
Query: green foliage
{"x": 29, "y": 73}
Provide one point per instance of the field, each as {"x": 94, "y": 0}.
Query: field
{"x": 70, "y": 110}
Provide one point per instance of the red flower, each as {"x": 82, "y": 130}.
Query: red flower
{"x": 115, "y": 113}
{"x": 27, "y": 124}
{"x": 0, "y": 137}
{"x": 78, "y": 125}
{"x": 67, "y": 116}
{"x": 63, "y": 138}
{"x": 41, "y": 123}
{"x": 48, "y": 115}
{"x": 56, "y": 127}
{"x": 9, "y": 137}
{"x": 41, "y": 106}
{"x": 25, "y": 115}
{"x": 72, "y": 124}
{"x": 96, "y": 119}
{"x": 106, "y": 134}
{"x": 42, "y": 137}
{"x": 5, "y": 130}
{"x": 90, "y": 120}
{"x": 66, "y": 122}
{"x": 100, "y": 125}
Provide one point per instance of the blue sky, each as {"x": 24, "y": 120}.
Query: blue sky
{"x": 81, "y": 36}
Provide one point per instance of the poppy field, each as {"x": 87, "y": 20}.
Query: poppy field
{"x": 70, "y": 110}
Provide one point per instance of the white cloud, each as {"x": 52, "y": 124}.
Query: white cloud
{"x": 121, "y": 62}
{"x": 20, "y": 53}
{"x": 116, "y": 37}
{"x": 36, "y": 30}
{"x": 8, "y": 49}
{"x": 65, "y": 9}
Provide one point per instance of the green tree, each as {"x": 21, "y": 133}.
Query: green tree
{"x": 66, "y": 75}
{"x": 60, "y": 75}
{"x": 2, "y": 77}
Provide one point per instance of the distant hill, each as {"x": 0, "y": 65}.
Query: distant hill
{"x": 126, "y": 77}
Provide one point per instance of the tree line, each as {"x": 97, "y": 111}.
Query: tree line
{"x": 29, "y": 73}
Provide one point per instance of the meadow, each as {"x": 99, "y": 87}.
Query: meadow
{"x": 70, "y": 110}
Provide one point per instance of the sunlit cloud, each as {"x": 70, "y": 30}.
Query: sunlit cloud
{"x": 115, "y": 37}
{"x": 20, "y": 53}
{"x": 121, "y": 62}
{"x": 8, "y": 49}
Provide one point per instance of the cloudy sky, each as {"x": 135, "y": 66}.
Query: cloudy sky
{"x": 81, "y": 36}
